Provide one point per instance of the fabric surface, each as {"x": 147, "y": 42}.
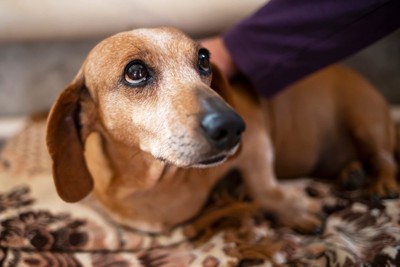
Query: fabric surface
{"x": 38, "y": 229}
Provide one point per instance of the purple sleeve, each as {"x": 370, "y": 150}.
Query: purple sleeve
{"x": 288, "y": 39}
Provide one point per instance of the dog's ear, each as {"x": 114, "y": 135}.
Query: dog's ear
{"x": 220, "y": 84}
{"x": 71, "y": 175}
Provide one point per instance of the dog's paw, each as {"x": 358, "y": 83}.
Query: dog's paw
{"x": 300, "y": 206}
{"x": 353, "y": 177}
{"x": 384, "y": 188}
{"x": 302, "y": 212}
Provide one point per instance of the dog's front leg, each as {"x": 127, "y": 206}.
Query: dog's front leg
{"x": 290, "y": 204}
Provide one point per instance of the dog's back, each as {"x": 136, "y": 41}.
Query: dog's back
{"x": 328, "y": 120}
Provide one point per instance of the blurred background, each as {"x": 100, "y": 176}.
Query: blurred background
{"x": 43, "y": 43}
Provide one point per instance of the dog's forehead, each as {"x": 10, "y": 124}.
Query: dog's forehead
{"x": 144, "y": 41}
{"x": 163, "y": 37}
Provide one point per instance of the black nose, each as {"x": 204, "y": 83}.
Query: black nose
{"x": 223, "y": 129}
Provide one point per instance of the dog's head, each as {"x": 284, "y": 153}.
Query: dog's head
{"x": 152, "y": 89}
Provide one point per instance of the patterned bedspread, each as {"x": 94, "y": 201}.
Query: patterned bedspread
{"x": 38, "y": 229}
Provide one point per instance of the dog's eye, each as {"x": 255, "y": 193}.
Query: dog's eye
{"x": 204, "y": 62}
{"x": 136, "y": 73}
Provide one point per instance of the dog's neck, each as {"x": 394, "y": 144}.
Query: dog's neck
{"x": 118, "y": 168}
{"x": 113, "y": 165}
{"x": 142, "y": 192}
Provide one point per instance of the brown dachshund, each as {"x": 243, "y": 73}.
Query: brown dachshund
{"x": 143, "y": 125}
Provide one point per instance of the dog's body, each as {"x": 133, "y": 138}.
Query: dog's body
{"x": 142, "y": 108}
{"x": 328, "y": 120}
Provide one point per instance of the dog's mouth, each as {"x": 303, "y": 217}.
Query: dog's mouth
{"x": 205, "y": 161}
{"x": 216, "y": 160}
{"x": 213, "y": 160}
{"x": 210, "y": 162}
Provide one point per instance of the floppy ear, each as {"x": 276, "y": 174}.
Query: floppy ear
{"x": 220, "y": 84}
{"x": 71, "y": 175}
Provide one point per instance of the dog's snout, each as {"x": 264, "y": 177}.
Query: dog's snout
{"x": 223, "y": 129}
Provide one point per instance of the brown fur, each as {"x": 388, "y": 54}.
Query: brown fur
{"x": 141, "y": 144}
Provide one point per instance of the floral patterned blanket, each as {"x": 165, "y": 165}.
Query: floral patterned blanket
{"x": 39, "y": 229}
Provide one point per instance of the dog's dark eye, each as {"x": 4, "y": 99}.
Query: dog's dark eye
{"x": 204, "y": 62}
{"x": 136, "y": 73}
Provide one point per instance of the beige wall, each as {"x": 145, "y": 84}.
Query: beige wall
{"x": 380, "y": 63}
{"x": 22, "y": 20}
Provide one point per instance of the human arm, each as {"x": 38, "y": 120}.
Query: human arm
{"x": 286, "y": 40}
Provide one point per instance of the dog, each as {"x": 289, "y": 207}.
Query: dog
{"x": 150, "y": 126}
